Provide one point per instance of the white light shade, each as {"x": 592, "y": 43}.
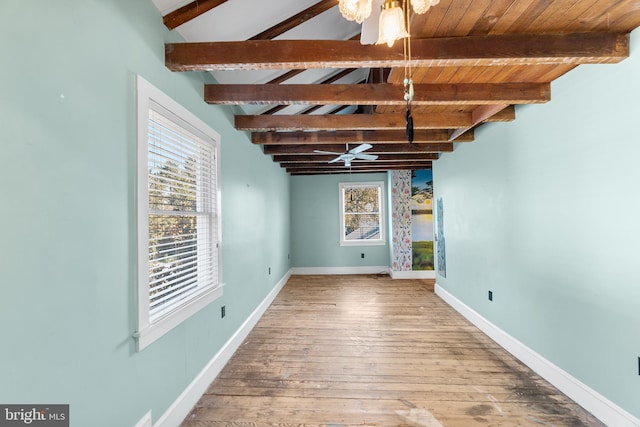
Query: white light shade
{"x": 420, "y": 6}
{"x": 391, "y": 26}
{"x": 355, "y": 10}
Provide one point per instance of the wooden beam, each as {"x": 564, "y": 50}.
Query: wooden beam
{"x": 322, "y": 158}
{"x": 293, "y": 73}
{"x": 488, "y": 50}
{"x": 351, "y": 122}
{"x": 358, "y": 164}
{"x": 378, "y": 94}
{"x": 292, "y": 122}
{"x": 344, "y": 171}
{"x": 379, "y": 149}
{"x": 364, "y": 167}
{"x": 361, "y": 163}
{"x": 284, "y": 77}
{"x": 189, "y": 11}
{"x": 506, "y": 115}
{"x": 295, "y": 20}
{"x": 355, "y": 137}
{"x": 479, "y": 115}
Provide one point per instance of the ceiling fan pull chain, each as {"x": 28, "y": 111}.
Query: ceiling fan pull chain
{"x": 409, "y": 129}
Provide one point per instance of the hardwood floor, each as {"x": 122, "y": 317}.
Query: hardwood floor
{"x": 370, "y": 351}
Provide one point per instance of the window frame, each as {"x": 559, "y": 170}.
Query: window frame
{"x": 381, "y": 240}
{"x": 149, "y": 331}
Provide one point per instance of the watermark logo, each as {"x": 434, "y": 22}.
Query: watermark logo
{"x": 34, "y": 415}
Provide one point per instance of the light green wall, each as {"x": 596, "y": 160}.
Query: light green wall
{"x": 545, "y": 212}
{"x": 315, "y": 224}
{"x": 67, "y": 213}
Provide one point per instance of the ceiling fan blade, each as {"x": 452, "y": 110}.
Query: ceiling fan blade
{"x": 366, "y": 156}
{"x": 337, "y": 159}
{"x": 326, "y": 152}
{"x": 369, "y": 33}
{"x": 360, "y": 148}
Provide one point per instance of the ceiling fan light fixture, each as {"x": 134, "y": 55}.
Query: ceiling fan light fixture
{"x": 392, "y": 26}
{"x": 355, "y": 10}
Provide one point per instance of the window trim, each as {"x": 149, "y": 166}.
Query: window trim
{"x": 149, "y": 332}
{"x": 381, "y": 241}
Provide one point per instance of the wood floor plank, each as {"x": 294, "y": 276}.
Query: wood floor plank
{"x": 337, "y": 351}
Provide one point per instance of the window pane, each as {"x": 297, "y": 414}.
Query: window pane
{"x": 360, "y": 200}
{"x": 361, "y": 226}
{"x": 172, "y": 187}
{"x": 173, "y": 261}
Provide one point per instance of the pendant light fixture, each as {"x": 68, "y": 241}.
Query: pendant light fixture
{"x": 359, "y": 10}
{"x": 421, "y": 6}
{"x": 392, "y": 26}
{"x": 355, "y": 10}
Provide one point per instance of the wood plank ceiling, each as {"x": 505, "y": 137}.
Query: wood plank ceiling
{"x": 304, "y": 82}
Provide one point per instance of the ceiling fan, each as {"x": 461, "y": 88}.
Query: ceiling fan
{"x": 349, "y": 155}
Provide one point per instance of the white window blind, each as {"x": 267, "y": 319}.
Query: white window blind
{"x": 178, "y": 214}
{"x": 182, "y": 206}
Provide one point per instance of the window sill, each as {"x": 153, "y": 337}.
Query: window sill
{"x": 151, "y": 333}
{"x": 362, "y": 243}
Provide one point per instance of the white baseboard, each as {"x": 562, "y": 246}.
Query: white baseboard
{"x": 601, "y": 407}
{"x": 181, "y": 407}
{"x": 339, "y": 270}
{"x": 417, "y": 274}
{"x": 145, "y": 421}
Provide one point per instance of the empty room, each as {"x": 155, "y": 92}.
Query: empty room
{"x": 320, "y": 213}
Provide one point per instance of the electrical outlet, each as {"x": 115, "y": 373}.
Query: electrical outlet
{"x": 269, "y": 270}
{"x": 362, "y": 255}
{"x": 490, "y": 295}
{"x": 223, "y": 311}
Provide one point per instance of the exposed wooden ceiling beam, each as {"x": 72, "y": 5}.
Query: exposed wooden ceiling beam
{"x": 189, "y": 11}
{"x": 488, "y": 50}
{"x": 415, "y": 148}
{"x": 321, "y": 158}
{"x": 293, "y": 122}
{"x": 345, "y": 171}
{"x": 358, "y": 163}
{"x": 284, "y": 77}
{"x": 506, "y": 115}
{"x": 356, "y": 137}
{"x": 295, "y": 20}
{"x": 378, "y": 94}
{"x": 479, "y": 115}
{"x": 351, "y": 122}
{"x": 370, "y": 167}
{"x": 293, "y": 73}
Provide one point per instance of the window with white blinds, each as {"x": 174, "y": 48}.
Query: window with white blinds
{"x": 178, "y": 238}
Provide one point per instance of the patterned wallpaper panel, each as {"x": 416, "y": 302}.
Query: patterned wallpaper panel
{"x": 401, "y": 220}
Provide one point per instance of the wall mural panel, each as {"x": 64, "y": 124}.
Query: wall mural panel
{"x": 422, "y": 219}
{"x": 442, "y": 258}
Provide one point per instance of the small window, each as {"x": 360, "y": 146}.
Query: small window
{"x": 178, "y": 214}
{"x": 362, "y": 213}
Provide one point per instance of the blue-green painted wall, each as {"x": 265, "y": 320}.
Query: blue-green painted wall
{"x": 545, "y": 212}
{"x": 67, "y": 213}
{"x": 315, "y": 224}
